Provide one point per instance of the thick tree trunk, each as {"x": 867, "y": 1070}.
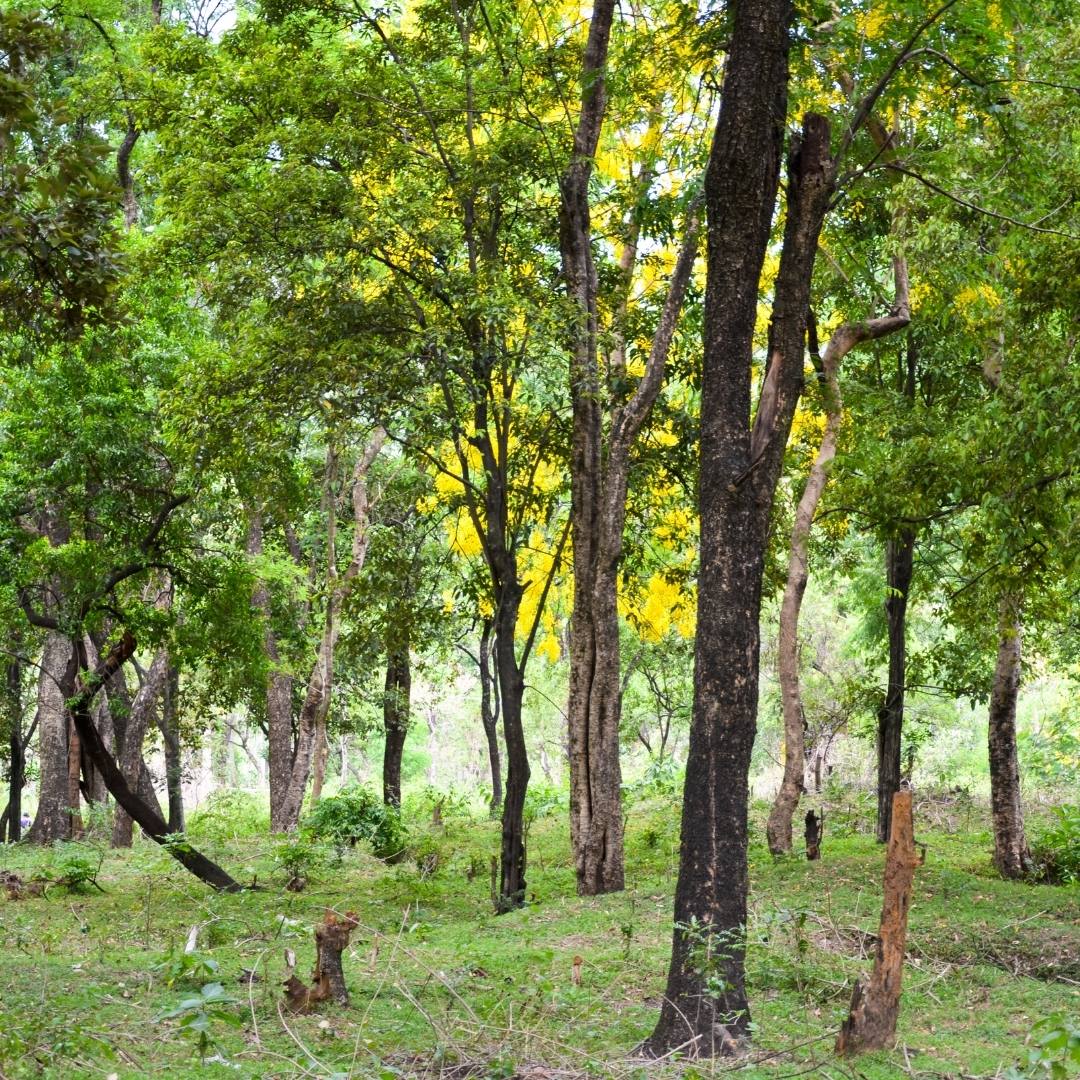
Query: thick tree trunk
{"x": 871, "y": 1024}
{"x": 169, "y": 726}
{"x": 17, "y": 758}
{"x": 489, "y": 717}
{"x": 53, "y": 818}
{"x": 1011, "y": 854}
{"x": 396, "y": 698}
{"x": 705, "y": 1010}
{"x": 130, "y": 756}
{"x": 778, "y": 830}
{"x": 899, "y": 569}
{"x": 85, "y": 685}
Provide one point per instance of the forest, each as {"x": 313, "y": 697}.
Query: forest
{"x": 540, "y": 539}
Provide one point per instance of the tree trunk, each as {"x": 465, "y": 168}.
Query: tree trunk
{"x": 705, "y": 1010}
{"x": 85, "y": 685}
{"x": 318, "y": 761}
{"x": 871, "y": 1024}
{"x": 899, "y": 568}
{"x": 279, "y": 692}
{"x": 130, "y": 756}
{"x": 169, "y": 726}
{"x": 396, "y": 696}
{"x": 778, "y": 830}
{"x": 17, "y": 760}
{"x": 1011, "y": 855}
{"x": 316, "y": 704}
{"x": 53, "y": 818}
{"x": 489, "y": 717}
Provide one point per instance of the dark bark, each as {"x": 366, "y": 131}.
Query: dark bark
{"x": 396, "y": 697}
{"x": 53, "y": 818}
{"x": 85, "y": 685}
{"x": 489, "y": 717}
{"x": 815, "y": 829}
{"x": 1011, "y": 854}
{"x": 169, "y": 726}
{"x": 899, "y": 569}
{"x": 17, "y": 758}
{"x": 129, "y": 755}
{"x": 705, "y": 1010}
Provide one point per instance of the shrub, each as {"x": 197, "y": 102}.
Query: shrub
{"x": 357, "y": 814}
{"x": 1056, "y": 851}
{"x": 298, "y": 857}
{"x": 227, "y": 815}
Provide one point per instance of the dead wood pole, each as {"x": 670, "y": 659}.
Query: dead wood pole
{"x": 328, "y": 979}
{"x": 871, "y": 1024}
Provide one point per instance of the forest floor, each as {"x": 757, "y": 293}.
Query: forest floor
{"x": 441, "y": 987}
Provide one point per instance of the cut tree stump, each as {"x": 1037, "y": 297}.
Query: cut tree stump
{"x": 875, "y": 1007}
{"x": 328, "y": 979}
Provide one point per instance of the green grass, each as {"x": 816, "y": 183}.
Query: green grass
{"x": 440, "y": 985}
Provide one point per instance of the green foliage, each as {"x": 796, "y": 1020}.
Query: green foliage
{"x": 186, "y": 967}
{"x": 74, "y": 866}
{"x": 298, "y": 857}
{"x": 198, "y": 1013}
{"x": 357, "y": 814}
{"x": 228, "y": 815}
{"x": 1056, "y": 850}
{"x": 1055, "y": 1050}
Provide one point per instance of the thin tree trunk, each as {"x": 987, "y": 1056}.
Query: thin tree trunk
{"x": 899, "y": 569}
{"x": 489, "y": 717}
{"x": 317, "y": 699}
{"x": 169, "y": 726}
{"x": 53, "y": 818}
{"x": 17, "y": 759}
{"x": 130, "y": 757}
{"x": 875, "y": 1008}
{"x": 512, "y": 882}
{"x": 705, "y": 1010}
{"x": 85, "y": 685}
{"x": 778, "y": 829}
{"x": 279, "y": 692}
{"x": 1011, "y": 854}
{"x": 396, "y": 696}
{"x": 318, "y": 761}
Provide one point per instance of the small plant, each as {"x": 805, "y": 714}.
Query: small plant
{"x": 1055, "y": 1049}
{"x": 357, "y": 814}
{"x": 427, "y": 856}
{"x": 298, "y": 858}
{"x": 198, "y": 1013}
{"x": 74, "y": 866}
{"x": 186, "y": 967}
{"x": 228, "y": 815}
{"x": 1056, "y": 851}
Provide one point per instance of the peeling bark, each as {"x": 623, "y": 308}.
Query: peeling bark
{"x": 53, "y": 818}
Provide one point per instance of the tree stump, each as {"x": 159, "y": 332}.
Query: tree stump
{"x": 871, "y": 1024}
{"x": 328, "y": 979}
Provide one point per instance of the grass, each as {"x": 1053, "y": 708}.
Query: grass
{"x": 441, "y": 986}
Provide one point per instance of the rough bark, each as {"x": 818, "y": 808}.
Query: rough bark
{"x": 86, "y": 684}
{"x": 130, "y": 756}
{"x": 168, "y": 720}
{"x": 778, "y": 830}
{"x": 328, "y": 978}
{"x": 279, "y": 692}
{"x": 53, "y": 818}
{"x": 396, "y": 696}
{"x": 899, "y": 569}
{"x": 740, "y": 468}
{"x": 1011, "y": 854}
{"x": 871, "y": 1024}
{"x": 489, "y": 717}
{"x": 320, "y": 683}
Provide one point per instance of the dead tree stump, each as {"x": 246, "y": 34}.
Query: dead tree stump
{"x": 328, "y": 979}
{"x": 871, "y": 1024}
{"x": 815, "y": 829}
